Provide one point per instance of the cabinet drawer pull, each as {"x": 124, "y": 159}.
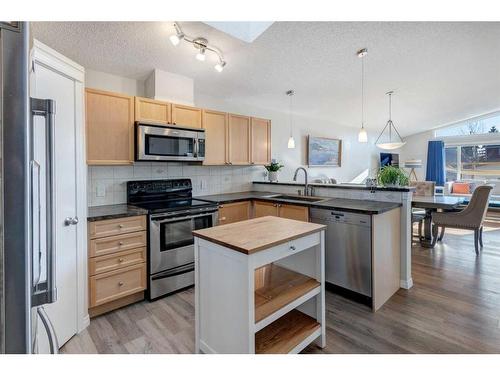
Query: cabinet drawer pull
{"x": 293, "y": 248}
{"x": 120, "y": 243}
{"x": 120, "y": 283}
{"x": 120, "y": 226}
{"x": 120, "y": 260}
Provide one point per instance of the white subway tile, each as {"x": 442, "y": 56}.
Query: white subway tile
{"x": 123, "y": 171}
{"x": 174, "y": 171}
{"x": 159, "y": 171}
{"x": 142, "y": 171}
{"x": 101, "y": 172}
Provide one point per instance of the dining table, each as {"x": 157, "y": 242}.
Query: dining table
{"x": 432, "y": 204}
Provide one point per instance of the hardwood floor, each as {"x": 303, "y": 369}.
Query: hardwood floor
{"x": 453, "y": 307}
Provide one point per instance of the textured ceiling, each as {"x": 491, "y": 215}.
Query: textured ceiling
{"x": 441, "y": 72}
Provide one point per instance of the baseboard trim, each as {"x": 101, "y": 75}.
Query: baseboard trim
{"x": 406, "y": 284}
{"x": 85, "y": 323}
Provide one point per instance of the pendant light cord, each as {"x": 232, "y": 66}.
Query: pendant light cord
{"x": 290, "y": 93}
{"x": 362, "y": 93}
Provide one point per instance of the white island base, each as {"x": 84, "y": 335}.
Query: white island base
{"x": 259, "y": 287}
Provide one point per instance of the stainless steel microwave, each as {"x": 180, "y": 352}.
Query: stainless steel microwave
{"x": 168, "y": 143}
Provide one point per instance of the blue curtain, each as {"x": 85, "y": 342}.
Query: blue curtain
{"x": 435, "y": 163}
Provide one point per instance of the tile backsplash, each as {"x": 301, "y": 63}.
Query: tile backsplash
{"x": 108, "y": 184}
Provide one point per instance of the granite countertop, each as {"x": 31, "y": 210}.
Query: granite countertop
{"x": 357, "y": 205}
{"x": 114, "y": 211}
{"x": 349, "y": 205}
{"x": 339, "y": 186}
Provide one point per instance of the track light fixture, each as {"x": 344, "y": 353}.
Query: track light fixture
{"x": 201, "y": 44}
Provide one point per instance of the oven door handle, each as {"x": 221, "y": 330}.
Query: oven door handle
{"x": 157, "y": 221}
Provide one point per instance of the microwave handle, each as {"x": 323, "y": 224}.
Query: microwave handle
{"x": 196, "y": 150}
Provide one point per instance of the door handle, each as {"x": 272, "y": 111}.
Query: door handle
{"x": 49, "y": 328}
{"x": 71, "y": 221}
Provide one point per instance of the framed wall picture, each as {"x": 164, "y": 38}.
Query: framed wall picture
{"x": 324, "y": 152}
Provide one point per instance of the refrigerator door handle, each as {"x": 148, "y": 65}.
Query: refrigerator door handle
{"x": 51, "y": 333}
{"x": 46, "y": 292}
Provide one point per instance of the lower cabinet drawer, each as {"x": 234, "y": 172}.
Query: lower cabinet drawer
{"x": 106, "y": 263}
{"x": 114, "y": 244}
{"x": 110, "y": 286}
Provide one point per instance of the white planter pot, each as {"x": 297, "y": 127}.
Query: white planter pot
{"x": 273, "y": 176}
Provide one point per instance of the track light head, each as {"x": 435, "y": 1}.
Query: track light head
{"x": 220, "y": 66}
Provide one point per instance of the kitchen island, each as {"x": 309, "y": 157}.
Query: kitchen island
{"x": 259, "y": 286}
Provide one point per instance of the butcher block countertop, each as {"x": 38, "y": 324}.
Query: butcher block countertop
{"x": 251, "y": 236}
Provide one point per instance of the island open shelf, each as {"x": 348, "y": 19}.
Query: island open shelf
{"x": 259, "y": 286}
{"x": 278, "y": 288}
{"x": 289, "y": 334}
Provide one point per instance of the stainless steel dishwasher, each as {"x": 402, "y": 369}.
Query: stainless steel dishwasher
{"x": 348, "y": 252}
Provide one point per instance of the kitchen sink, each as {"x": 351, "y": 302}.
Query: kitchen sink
{"x": 299, "y": 198}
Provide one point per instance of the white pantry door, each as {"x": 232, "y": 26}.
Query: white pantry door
{"x": 50, "y": 84}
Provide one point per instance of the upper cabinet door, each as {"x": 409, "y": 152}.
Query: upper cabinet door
{"x": 150, "y": 110}
{"x": 215, "y": 125}
{"x": 239, "y": 139}
{"x": 183, "y": 115}
{"x": 260, "y": 141}
{"x": 109, "y": 127}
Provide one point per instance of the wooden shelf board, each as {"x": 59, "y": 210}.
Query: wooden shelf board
{"x": 285, "y": 334}
{"x": 276, "y": 287}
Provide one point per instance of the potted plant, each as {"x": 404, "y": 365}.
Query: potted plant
{"x": 272, "y": 170}
{"x": 392, "y": 176}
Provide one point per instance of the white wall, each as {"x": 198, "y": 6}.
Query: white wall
{"x": 356, "y": 158}
{"x": 416, "y": 148}
{"x": 111, "y": 82}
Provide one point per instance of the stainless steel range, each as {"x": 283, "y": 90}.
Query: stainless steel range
{"x": 173, "y": 215}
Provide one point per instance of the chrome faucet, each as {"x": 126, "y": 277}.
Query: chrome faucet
{"x": 306, "y": 184}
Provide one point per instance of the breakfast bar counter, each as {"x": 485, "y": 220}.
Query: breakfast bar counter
{"x": 259, "y": 286}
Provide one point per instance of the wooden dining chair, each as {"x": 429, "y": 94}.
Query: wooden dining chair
{"x": 471, "y": 217}
{"x": 423, "y": 189}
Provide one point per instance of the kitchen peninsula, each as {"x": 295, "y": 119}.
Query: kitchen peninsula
{"x": 260, "y": 286}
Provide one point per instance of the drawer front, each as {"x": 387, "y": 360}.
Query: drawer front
{"x": 113, "y": 285}
{"x": 116, "y": 261}
{"x": 112, "y": 227}
{"x": 113, "y": 244}
{"x": 261, "y": 258}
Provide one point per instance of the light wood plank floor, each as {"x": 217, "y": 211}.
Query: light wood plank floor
{"x": 453, "y": 307}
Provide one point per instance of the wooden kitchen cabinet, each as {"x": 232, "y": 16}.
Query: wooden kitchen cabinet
{"x": 260, "y": 141}
{"x": 150, "y": 110}
{"x": 215, "y": 125}
{"x": 117, "y": 263}
{"x": 287, "y": 211}
{"x": 261, "y": 208}
{"x": 233, "y": 212}
{"x": 109, "y": 128}
{"x": 183, "y": 115}
{"x": 292, "y": 211}
{"x": 239, "y": 139}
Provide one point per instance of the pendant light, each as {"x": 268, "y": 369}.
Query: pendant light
{"x": 392, "y": 142}
{"x": 362, "y": 135}
{"x": 291, "y": 141}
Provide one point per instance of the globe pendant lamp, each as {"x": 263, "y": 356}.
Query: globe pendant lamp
{"x": 393, "y": 139}
{"x": 291, "y": 140}
{"x": 362, "y": 135}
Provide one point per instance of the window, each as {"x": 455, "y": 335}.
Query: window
{"x": 486, "y": 124}
{"x": 473, "y": 162}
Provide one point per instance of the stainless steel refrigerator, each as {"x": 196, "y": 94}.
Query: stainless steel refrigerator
{"x": 27, "y": 256}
